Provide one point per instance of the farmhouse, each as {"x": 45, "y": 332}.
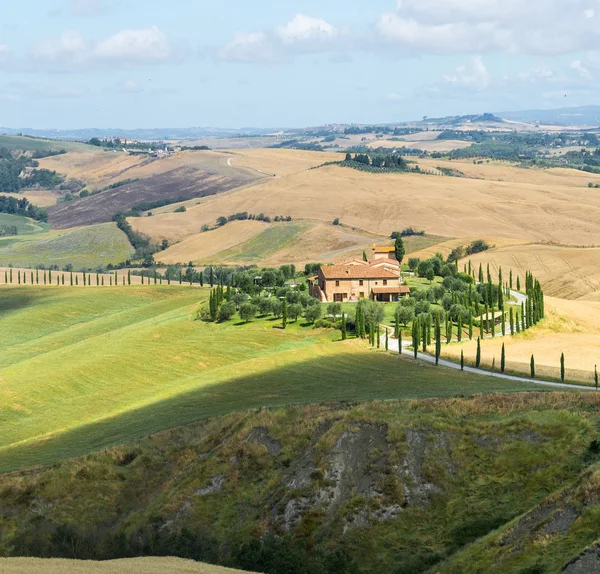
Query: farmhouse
{"x": 353, "y": 280}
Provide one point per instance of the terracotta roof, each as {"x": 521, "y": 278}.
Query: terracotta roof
{"x": 393, "y": 290}
{"x": 349, "y": 261}
{"x": 356, "y": 272}
{"x": 388, "y": 262}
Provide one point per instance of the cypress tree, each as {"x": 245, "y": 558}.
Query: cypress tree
{"x": 211, "y": 276}
{"x": 284, "y": 316}
{"x": 71, "y": 277}
{"x": 596, "y": 376}
{"x": 11, "y": 275}
{"x": 532, "y": 367}
{"x": 518, "y": 323}
{"x": 63, "y": 278}
{"x": 424, "y": 334}
{"x": 19, "y": 276}
{"x": 415, "y": 337}
{"x": 480, "y": 274}
{"x": 462, "y": 360}
{"x": 129, "y": 277}
{"x": 116, "y": 278}
{"x": 343, "y": 319}
{"x": 50, "y": 276}
{"x": 562, "y": 367}
{"x": 481, "y": 331}
{"x": 155, "y": 276}
{"x": 201, "y": 278}
{"x": 365, "y": 258}
{"x": 523, "y": 323}
{"x": 84, "y": 278}
{"x": 510, "y": 280}
{"x": 32, "y": 282}
{"x": 400, "y": 342}
{"x": 489, "y": 275}
{"x": 357, "y": 322}
{"x": 387, "y": 341}
{"x": 460, "y": 327}
{"x": 478, "y": 355}
{"x": 180, "y": 277}
{"x": 502, "y": 359}
{"x": 110, "y": 281}
{"x": 438, "y": 342}
{"x": 45, "y": 278}
{"x": 102, "y": 280}
{"x": 487, "y": 318}
{"x": 97, "y": 278}
{"x": 378, "y": 336}
{"x": 503, "y": 321}
{"x": 76, "y": 279}
{"x": 518, "y": 284}
{"x": 512, "y": 321}
{"x": 37, "y": 276}
{"x": 470, "y": 324}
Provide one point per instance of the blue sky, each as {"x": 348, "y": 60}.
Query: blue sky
{"x": 276, "y": 63}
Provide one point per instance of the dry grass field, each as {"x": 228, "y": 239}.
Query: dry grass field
{"x": 446, "y": 206}
{"x": 183, "y": 175}
{"x": 571, "y": 327}
{"x": 127, "y": 566}
{"x": 567, "y": 272}
{"x": 39, "y": 198}
{"x": 424, "y": 144}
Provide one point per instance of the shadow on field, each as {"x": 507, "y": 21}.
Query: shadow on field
{"x": 18, "y": 300}
{"x": 346, "y": 377}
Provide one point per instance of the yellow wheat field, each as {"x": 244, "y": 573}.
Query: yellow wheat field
{"x": 133, "y": 566}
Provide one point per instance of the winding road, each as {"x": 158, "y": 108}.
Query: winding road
{"x": 406, "y": 345}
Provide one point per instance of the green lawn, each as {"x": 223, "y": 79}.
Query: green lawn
{"x": 268, "y": 242}
{"x": 24, "y": 225}
{"x": 34, "y": 144}
{"x": 86, "y": 247}
{"x": 82, "y": 369}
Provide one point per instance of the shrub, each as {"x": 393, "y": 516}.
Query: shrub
{"x": 181, "y": 209}
{"x": 312, "y": 312}
{"x": 227, "y": 311}
{"x": 336, "y": 221}
{"x": 247, "y": 312}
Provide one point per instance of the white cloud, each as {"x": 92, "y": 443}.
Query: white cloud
{"x": 149, "y": 45}
{"x": 578, "y": 66}
{"x": 71, "y": 51}
{"x": 302, "y": 34}
{"x": 304, "y": 28}
{"x": 480, "y": 26}
{"x": 87, "y": 7}
{"x": 474, "y": 75}
{"x": 247, "y": 48}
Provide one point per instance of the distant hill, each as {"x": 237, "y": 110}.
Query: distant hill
{"x": 30, "y": 143}
{"x": 578, "y": 116}
{"x": 161, "y": 134}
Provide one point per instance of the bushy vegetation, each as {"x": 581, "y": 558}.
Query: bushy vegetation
{"x": 18, "y": 172}
{"x": 22, "y": 206}
{"x": 245, "y": 216}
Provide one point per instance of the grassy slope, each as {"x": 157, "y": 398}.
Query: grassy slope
{"x": 25, "y": 225}
{"x": 448, "y": 471}
{"x": 135, "y": 565}
{"x": 268, "y": 242}
{"x": 88, "y": 247}
{"x": 84, "y": 369}
{"x": 35, "y": 144}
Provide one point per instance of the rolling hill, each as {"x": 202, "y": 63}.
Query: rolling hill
{"x": 129, "y": 181}
{"x": 400, "y": 486}
{"x": 28, "y": 143}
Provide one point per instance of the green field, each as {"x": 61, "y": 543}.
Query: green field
{"x": 24, "y": 225}
{"x": 86, "y": 247}
{"x": 82, "y": 369}
{"x": 25, "y": 143}
{"x": 260, "y": 247}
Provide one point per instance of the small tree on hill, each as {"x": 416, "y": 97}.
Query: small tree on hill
{"x": 562, "y": 367}
{"x": 399, "y": 249}
{"x": 284, "y": 314}
{"x": 502, "y": 359}
{"x": 462, "y": 360}
{"x": 247, "y": 312}
{"x": 365, "y": 258}
{"x": 478, "y": 354}
{"x": 532, "y": 367}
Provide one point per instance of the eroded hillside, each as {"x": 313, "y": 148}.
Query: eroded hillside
{"x": 378, "y": 487}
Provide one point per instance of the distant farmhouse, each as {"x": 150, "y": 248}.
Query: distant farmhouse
{"x": 379, "y": 279}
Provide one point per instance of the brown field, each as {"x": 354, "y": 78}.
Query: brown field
{"x": 200, "y": 247}
{"x": 39, "y": 198}
{"x": 564, "y": 271}
{"x": 511, "y": 173}
{"x": 379, "y": 204}
{"x": 183, "y": 175}
{"x": 282, "y": 162}
{"x": 132, "y": 565}
{"x": 424, "y": 144}
{"x": 446, "y": 247}
{"x": 572, "y": 327}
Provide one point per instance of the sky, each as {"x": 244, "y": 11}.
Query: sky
{"x": 290, "y": 63}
